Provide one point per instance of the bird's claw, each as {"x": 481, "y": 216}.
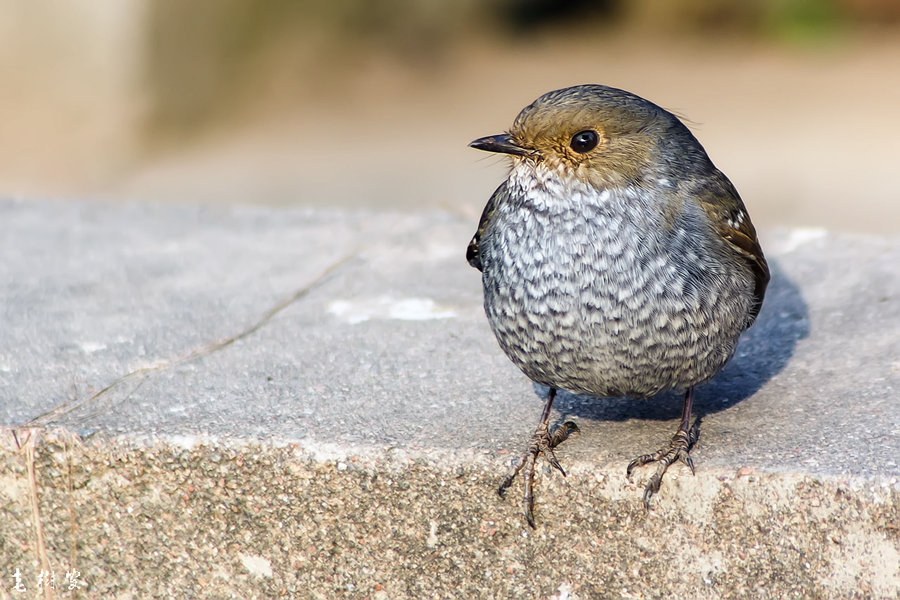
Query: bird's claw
{"x": 678, "y": 450}
{"x": 542, "y": 442}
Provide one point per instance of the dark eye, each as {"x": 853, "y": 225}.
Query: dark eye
{"x": 584, "y": 141}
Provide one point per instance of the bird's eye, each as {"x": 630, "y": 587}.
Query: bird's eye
{"x": 584, "y": 141}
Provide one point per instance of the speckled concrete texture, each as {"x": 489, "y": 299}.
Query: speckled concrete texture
{"x": 255, "y": 521}
{"x": 247, "y": 402}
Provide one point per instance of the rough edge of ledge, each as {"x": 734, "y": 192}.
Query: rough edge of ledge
{"x": 362, "y": 520}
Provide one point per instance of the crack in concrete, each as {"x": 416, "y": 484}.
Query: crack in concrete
{"x": 140, "y": 375}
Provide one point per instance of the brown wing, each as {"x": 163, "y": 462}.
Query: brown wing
{"x": 730, "y": 218}
{"x": 473, "y": 251}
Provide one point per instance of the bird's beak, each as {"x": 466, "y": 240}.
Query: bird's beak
{"x": 502, "y": 143}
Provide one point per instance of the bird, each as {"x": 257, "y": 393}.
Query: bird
{"x": 616, "y": 261}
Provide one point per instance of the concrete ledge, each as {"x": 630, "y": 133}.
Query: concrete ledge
{"x": 264, "y": 522}
{"x": 254, "y": 403}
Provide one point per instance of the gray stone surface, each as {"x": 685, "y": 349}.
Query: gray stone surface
{"x": 357, "y": 343}
{"x": 391, "y": 348}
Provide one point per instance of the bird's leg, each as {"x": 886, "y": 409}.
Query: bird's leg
{"x": 678, "y": 449}
{"x": 542, "y": 442}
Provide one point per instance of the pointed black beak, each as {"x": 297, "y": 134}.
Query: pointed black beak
{"x": 502, "y": 143}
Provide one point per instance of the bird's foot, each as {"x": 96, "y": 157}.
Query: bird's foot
{"x": 543, "y": 441}
{"x": 678, "y": 450}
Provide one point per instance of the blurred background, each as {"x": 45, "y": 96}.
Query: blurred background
{"x": 370, "y": 103}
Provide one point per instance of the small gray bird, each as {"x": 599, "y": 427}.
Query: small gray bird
{"x": 616, "y": 261}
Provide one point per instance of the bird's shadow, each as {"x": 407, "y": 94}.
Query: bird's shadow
{"x": 763, "y": 351}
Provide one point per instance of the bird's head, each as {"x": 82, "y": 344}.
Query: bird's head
{"x": 599, "y": 135}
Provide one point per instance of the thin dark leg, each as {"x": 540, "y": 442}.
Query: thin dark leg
{"x": 686, "y": 408}
{"x": 542, "y": 442}
{"x": 678, "y": 450}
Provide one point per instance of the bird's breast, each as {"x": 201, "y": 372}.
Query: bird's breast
{"x": 589, "y": 293}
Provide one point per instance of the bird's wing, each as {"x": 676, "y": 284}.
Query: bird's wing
{"x": 473, "y": 251}
{"x": 728, "y": 215}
